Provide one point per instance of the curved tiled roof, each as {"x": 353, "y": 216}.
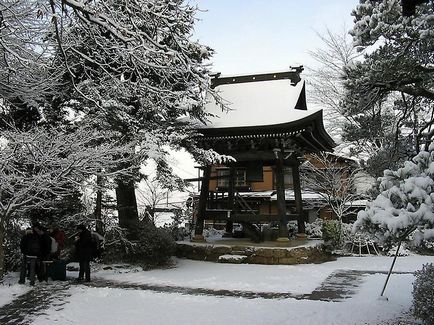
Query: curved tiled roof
{"x": 268, "y": 105}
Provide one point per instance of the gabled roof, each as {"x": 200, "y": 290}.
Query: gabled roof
{"x": 258, "y": 100}
{"x": 270, "y": 105}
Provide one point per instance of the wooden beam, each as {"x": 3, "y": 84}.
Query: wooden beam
{"x": 222, "y": 215}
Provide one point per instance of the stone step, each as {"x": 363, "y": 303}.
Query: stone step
{"x": 243, "y": 252}
{"x": 233, "y": 259}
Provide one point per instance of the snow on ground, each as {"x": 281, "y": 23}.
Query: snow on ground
{"x": 9, "y": 289}
{"x": 115, "y": 306}
{"x": 88, "y": 305}
{"x": 298, "y": 279}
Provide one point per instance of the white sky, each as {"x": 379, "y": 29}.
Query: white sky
{"x": 266, "y": 35}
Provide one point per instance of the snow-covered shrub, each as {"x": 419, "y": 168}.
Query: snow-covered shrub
{"x": 347, "y": 232}
{"x": 332, "y": 233}
{"x": 405, "y": 202}
{"x": 292, "y": 228}
{"x": 154, "y": 247}
{"x": 402, "y": 251}
{"x": 211, "y": 233}
{"x": 423, "y": 294}
{"x": 416, "y": 243}
{"x": 314, "y": 229}
{"x": 178, "y": 228}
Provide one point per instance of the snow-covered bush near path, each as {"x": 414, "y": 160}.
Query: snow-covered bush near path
{"x": 154, "y": 247}
{"x": 332, "y": 234}
{"x": 213, "y": 233}
{"x": 405, "y": 202}
{"x": 423, "y": 294}
{"x": 314, "y": 229}
{"x": 402, "y": 251}
{"x": 336, "y": 233}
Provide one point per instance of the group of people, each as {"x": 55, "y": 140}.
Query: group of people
{"x": 41, "y": 247}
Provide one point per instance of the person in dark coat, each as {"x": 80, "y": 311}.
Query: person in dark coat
{"x": 45, "y": 240}
{"x": 30, "y": 246}
{"x": 45, "y": 255}
{"x": 84, "y": 251}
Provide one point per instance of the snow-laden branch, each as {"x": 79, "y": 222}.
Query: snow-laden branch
{"x": 40, "y": 165}
{"x": 406, "y": 201}
{"x": 333, "y": 178}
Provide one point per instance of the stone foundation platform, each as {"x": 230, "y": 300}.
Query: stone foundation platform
{"x": 262, "y": 253}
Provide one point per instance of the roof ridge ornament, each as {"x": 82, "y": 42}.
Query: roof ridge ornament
{"x": 293, "y": 74}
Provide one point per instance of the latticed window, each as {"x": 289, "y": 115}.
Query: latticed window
{"x": 287, "y": 178}
{"x": 240, "y": 177}
{"x": 223, "y": 182}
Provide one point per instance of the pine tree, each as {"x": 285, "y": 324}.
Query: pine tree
{"x": 390, "y": 93}
{"x": 405, "y": 202}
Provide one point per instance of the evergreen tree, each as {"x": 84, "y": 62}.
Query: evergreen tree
{"x": 390, "y": 92}
{"x": 125, "y": 66}
{"x": 405, "y": 202}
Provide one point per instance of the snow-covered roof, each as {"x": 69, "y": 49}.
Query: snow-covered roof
{"x": 305, "y": 195}
{"x": 261, "y": 194}
{"x": 257, "y": 103}
{"x": 357, "y": 203}
{"x": 266, "y": 106}
{"x": 272, "y": 195}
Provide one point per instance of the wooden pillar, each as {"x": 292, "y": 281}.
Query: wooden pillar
{"x": 298, "y": 200}
{"x": 281, "y": 201}
{"x": 201, "y": 210}
{"x": 231, "y": 198}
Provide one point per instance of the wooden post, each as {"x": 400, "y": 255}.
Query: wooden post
{"x": 281, "y": 200}
{"x": 201, "y": 210}
{"x": 231, "y": 197}
{"x": 391, "y": 268}
{"x": 298, "y": 200}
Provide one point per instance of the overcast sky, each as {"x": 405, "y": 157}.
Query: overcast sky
{"x": 266, "y": 35}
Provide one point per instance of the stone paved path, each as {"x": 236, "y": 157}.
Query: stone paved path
{"x": 340, "y": 285}
{"x": 34, "y": 302}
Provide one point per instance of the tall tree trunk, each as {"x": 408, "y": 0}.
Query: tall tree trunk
{"x": 2, "y": 250}
{"x": 127, "y": 205}
{"x": 98, "y": 207}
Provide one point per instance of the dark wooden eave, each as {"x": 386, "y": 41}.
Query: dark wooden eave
{"x": 308, "y": 131}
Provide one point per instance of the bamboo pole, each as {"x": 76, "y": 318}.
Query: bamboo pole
{"x": 391, "y": 268}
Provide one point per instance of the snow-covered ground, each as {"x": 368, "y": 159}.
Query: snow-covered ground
{"x": 9, "y": 289}
{"x": 87, "y": 305}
